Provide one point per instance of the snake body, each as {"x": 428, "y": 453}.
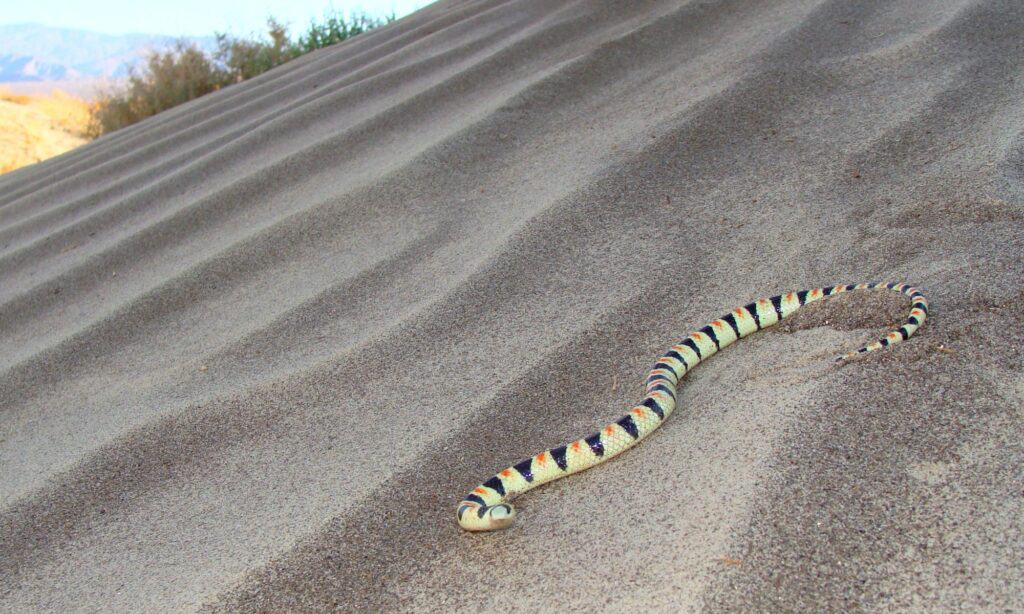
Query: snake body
{"x": 486, "y": 508}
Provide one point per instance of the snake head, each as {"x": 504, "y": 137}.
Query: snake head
{"x": 486, "y": 517}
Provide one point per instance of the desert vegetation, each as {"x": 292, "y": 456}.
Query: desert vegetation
{"x": 33, "y": 128}
{"x": 36, "y": 127}
{"x": 184, "y": 72}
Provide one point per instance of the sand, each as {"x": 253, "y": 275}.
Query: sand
{"x": 256, "y": 348}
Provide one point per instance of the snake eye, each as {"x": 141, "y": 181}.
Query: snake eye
{"x": 500, "y": 511}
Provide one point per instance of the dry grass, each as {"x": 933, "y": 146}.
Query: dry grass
{"x": 34, "y": 128}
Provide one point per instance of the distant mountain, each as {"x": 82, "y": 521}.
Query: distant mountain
{"x": 38, "y": 53}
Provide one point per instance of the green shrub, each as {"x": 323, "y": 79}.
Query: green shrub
{"x": 245, "y": 58}
{"x": 166, "y": 79}
{"x": 185, "y": 72}
{"x": 335, "y": 29}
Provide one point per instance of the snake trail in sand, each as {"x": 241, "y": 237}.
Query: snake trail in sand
{"x": 487, "y": 507}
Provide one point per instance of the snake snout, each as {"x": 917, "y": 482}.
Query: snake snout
{"x": 501, "y": 515}
{"x": 474, "y": 517}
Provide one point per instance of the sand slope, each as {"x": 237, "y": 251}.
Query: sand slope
{"x": 256, "y": 348}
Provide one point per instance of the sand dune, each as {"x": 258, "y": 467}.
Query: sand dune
{"x": 257, "y": 347}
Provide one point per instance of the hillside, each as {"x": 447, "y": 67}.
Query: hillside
{"x": 34, "y": 128}
{"x": 31, "y": 53}
{"x": 257, "y": 348}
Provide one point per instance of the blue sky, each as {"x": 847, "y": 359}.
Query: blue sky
{"x": 187, "y": 17}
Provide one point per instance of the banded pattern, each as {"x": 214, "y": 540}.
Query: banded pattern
{"x": 487, "y": 507}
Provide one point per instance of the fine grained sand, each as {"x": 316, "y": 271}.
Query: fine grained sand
{"x": 256, "y": 348}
